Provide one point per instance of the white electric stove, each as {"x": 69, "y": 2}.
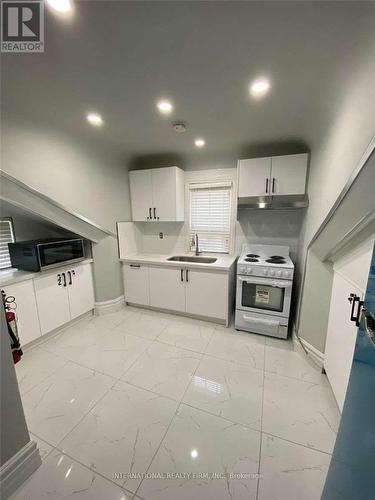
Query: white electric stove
{"x": 264, "y": 290}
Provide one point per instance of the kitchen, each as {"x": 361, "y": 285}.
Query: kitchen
{"x": 196, "y": 231}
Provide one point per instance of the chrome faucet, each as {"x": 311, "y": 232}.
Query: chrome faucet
{"x": 196, "y": 243}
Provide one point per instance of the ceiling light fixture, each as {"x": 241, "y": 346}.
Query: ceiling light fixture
{"x": 62, "y": 6}
{"x": 165, "y": 107}
{"x": 199, "y": 143}
{"x": 260, "y": 87}
{"x": 95, "y": 119}
{"x": 194, "y": 453}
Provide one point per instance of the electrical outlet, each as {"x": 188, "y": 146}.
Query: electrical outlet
{"x": 161, "y": 235}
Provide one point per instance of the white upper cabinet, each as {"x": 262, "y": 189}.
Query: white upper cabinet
{"x": 288, "y": 174}
{"x": 273, "y": 176}
{"x": 141, "y": 194}
{"x": 254, "y": 177}
{"x": 157, "y": 194}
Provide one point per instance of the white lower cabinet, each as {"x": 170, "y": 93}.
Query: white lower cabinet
{"x": 167, "y": 288}
{"x": 53, "y": 302}
{"x": 64, "y": 295}
{"x": 80, "y": 290}
{"x": 207, "y": 293}
{"x": 26, "y": 311}
{"x": 198, "y": 292}
{"x": 136, "y": 284}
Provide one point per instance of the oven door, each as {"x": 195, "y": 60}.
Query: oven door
{"x": 55, "y": 253}
{"x": 264, "y": 295}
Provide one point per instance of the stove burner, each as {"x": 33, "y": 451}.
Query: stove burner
{"x": 252, "y": 255}
{"x": 273, "y": 260}
{"x": 251, "y": 260}
{"x": 279, "y": 257}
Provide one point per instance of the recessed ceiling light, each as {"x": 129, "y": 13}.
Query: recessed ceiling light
{"x": 165, "y": 107}
{"x": 194, "y": 453}
{"x": 95, "y": 119}
{"x": 199, "y": 143}
{"x": 260, "y": 87}
{"x": 62, "y": 6}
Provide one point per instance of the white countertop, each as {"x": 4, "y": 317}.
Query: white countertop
{"x": 223, "y": 262}
{"x": 13, "y": 275}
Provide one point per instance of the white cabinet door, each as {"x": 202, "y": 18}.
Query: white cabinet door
{"x": 52, "y": 301}
{"x": 136, "y": 284}
{"x": 26, "y": 312}
{"x": 141, "y": 194}
{"x": 254, "y": 177}
{"x": 207, "y": 293}
{"x": 167, "y": 288}
{"x": 341, "y": 337}
{"x": 80, "y": 290}
{"x": 164, "y": 193}
{"x": 288, "y": 174}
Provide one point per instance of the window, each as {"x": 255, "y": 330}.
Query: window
{"x": 210, "y": 216}
{"x": 6, "y": 236}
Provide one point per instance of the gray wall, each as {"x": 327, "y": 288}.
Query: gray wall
{"x": 85, "y": 177}
{"x": 14, "y": 433}
{"x": 334, "y": 158}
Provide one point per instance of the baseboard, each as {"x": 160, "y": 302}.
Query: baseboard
{"x": 18, "y": 468}
{"x": 109, "y": 306}
{"x": 315, "y": 355}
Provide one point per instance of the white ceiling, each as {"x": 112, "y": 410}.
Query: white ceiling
{"x": 118, "y": 58}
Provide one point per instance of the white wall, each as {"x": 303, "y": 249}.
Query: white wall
{"x": 334, "y": 156}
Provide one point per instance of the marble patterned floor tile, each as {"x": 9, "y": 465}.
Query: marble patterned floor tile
{"x": 202, "y": 444}
{"x": 121, "y": 433}
{"x": 227, "y": 389}
{"x": 56, "y": 405}
{"x": 286, "y": 358}
{"x": 238, "y": 346}
{"x": 289, "y": 471}
{"x": 142, "y": 323}
{"x": 60, "y": 477}
{"x": 164, "y": 369}
{"x": 35, "y": 366}
{"x": 43, "y": 447}
{"x": 300, "y": 411}
{"x": 113, "y": 354}
{"x": 70, "y": 343}
{"x": 188, "y": 333}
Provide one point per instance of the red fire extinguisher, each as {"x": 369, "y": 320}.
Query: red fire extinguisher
{"x": 11, "y": 319}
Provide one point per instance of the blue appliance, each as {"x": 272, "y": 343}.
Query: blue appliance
{"x": 351, "y": 475}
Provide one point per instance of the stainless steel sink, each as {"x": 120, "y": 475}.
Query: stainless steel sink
{"x": 201, "y": 260}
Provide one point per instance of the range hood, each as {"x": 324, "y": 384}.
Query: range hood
{"x": 282, "y": 202}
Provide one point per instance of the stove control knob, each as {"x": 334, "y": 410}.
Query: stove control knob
{"x": 286, "y": 274}
{"x": 265, "y": 272}
{"x": 272, "y": 272}
{"x": 279, "y": 274}
{"x": 241, "y": 269}
{"x": 249, "y": 270}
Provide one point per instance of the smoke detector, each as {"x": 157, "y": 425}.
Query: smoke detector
{"x": 179, "y": 127}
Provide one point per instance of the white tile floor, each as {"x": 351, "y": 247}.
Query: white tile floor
{"x": 145, "y": 392}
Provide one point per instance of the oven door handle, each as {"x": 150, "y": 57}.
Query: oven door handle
{"x": 274, "y": 284}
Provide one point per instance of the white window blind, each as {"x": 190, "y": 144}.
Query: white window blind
{"x": 210, "y": 216}
{"x": 6, "y": 236}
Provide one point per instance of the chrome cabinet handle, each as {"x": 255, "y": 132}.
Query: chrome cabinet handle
{"x": 136, "y": 266}
{"x": 70, "y": 277}
{"x": 267, "y": 181}
{"x": 273, "y": 184}
{"x": 369, "y": 325}
{"x": 187, "y": 275}
{"x": 182, "y": 275}
{"x": 353, "y": 299}
{"x": 154, "y": 213}
{"x": 59, "y": 279}
{"x": 64, "y": 278}
{"x": 150, "y": 217}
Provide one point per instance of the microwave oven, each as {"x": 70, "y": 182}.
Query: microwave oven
{"x": 37, "y": 255}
